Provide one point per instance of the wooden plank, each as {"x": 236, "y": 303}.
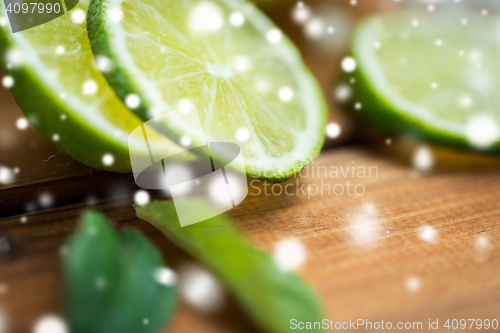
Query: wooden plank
{"x": 458, "y": 273}
{"x": 361, "y": 250}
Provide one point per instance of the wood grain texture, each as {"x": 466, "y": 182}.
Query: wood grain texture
{"x": 362, "y": 250}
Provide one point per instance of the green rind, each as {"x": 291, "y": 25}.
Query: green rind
{"x": 378, "y": 110}
{"x": 299, "y": 165}
{"x": 121, "y": 83}
{"x": 123, "y": 86}
{"x": 43, "y": 108}
{"x": 78, "y": 140}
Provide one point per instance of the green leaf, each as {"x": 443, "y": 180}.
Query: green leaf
{"x": 270, "y": 295}
{"x": 110, "y": 280}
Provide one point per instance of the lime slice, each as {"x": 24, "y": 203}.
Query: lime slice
{"x": 51, "y": 72}
{"x": 245, "y": 78}
{"x": 430, "y": 74}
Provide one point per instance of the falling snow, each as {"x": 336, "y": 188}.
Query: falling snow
{"x": 7, "y": 176}
{"x": 185, "y": 105}
{"x": 301, "y": 13}
{"x": 483, "y": 248}
{"x": 464, "y": 101}
{"x": 285, "y": 94}
{"x": 89, "y": 87}
{"x": 333, "y": 130}
{"x": 185, "y": 141}
{"x": 364, "y": 227}
{"x": 423, "y": 159}
{"x": 290, "y": 254}
{"x": 103, "y": 63}
{"x": 115, "y": 14}
{"x": 314, "y": 28}
{"x": 482, "y": 131}
{"x": 274, "y": 36}
{"x": 22, "y": 124}
{"x": 242, "y": 64}
{"x": 50, "y": 324}
{"x": 428, "y": 233}
{"x": 165, "y": 276}
{"x": 413, "y": 284}
{"x": 3, "y": 321}
{"x": 343, "y": 93}
{"x": 174, "y": 173}
{"x": 219, "y": 195}
{"x": 14, "y": 58}
{"x": 200, "y": 289}
{"x": 205, "y": 17}
{"x": 100, "y": 283}
{"x": 132, "y": 101}
{"x": 78, "y": 16}
{"x": 8, "y": 81}
{"x": 348, "y": 64}
{"x": 141, "y": 197}
{"x": 242, "y": 134}
{"x": 108, "y": 159}
{"x": 46, "y": 200}
{"x": 60, "y": 49}
{"x": 237, "y": 19}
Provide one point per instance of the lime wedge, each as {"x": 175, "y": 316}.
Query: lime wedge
{"x": 245, "y": 78}
{"x": 430, "y": 74}
{"x": 52, "y": 74}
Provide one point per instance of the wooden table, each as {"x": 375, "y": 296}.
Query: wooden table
{"x": 413, "y": 247}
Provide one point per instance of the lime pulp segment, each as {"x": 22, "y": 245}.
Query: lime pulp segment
{"x": 53, "y": 76}
{"x": 244, "y": 77}
{"x": 431, "y": 74}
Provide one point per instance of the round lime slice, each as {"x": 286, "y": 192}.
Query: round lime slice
{"x": 245, "y": 78}
{"x": 430, "y": 74}
{"x": 52, "y": 74}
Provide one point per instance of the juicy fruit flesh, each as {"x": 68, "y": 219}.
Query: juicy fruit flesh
{"x": 59, "y": 51}
{"x": 446, "y": 64}
{"x": 232, "y": 76}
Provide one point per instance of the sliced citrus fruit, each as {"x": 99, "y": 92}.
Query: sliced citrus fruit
{"x": 225, "y": 57}
{"x": 431, "y": 74}
{"x": 52, "y": 74}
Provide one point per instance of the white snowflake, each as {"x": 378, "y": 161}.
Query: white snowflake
{"x": 274, "y": 36}
{"x": 290, "y": 254}
{"x": 333, "y": 130}
{"x": 348, "y": 64}
{"x": 141, "y": 197}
